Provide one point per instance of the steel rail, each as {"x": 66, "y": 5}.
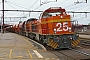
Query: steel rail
{"x": 79, "y": 52}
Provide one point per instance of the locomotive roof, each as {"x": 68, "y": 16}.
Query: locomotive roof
{"x": 31, "y": 19}
{"x": 55, "y": 9}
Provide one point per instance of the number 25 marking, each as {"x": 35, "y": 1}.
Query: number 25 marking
{"x": 64, "y": 26}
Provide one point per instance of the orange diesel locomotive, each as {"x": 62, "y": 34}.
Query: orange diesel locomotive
{"x": 54, "y": 28}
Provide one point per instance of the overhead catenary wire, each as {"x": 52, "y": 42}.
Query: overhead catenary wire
{"x": 47, "y": 0}
{"x": 33, "y": 4}
{"x": 63, "y": 1}
{"x": 68, "y": 6}
{"x": 16, "y": 4}
{"x": 30, "y": 7}
{"x": 78, "y": 8}
{"x": 10, "y": 5}
{"x": 88, "y": 8}
{"x": 73, "y": 5}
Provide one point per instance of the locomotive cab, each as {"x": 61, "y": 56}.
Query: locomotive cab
{"x": 55, "y": 11}
{"x": 57, "y": 30}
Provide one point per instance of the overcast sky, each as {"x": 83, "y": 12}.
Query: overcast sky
{"x": 69, "y": 5}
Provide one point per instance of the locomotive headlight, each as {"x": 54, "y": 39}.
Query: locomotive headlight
{"x": 70, "y": 30}
{"x": 55, "y": 31}
{"x": 61, "y": 16}
{"x": 70, "y": 38}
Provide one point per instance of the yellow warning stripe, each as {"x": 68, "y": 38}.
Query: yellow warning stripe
{"x": 54, "y": 45}
{"x": 10, "y": 55}
{"x": 58, "y": 20}
{"x": 29, "y": 54}
{"x": 51, "y": 42}
{"x": 78, "y": 41}
{"x": 75, "y": 42}
{"x": 73, "y": 45}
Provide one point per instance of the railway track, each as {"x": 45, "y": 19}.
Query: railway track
{"x": 85, "y": 39}
{"x": 85, "y": 43}
{"x": 61, "y": 55}
{"x": 71, "y": 54}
